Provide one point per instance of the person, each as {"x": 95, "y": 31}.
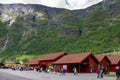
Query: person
{"x": 61, "y": 70}
{"x": 41, "y": 69}
{"x": 98, "y": 73}
{"x": 48, "y": 70}
{"x": 21, "y": 69}
{"x": 36, "y": 69}
{"x": 13, "y": 68}
{"x": 91, "y": 70}
{"x": 101, "y": 73}
{"x": 104, "y": 71}
{"x": 117, "y": 73}
{"x": 75, "y": 70}
{"x": 64, "y": 71}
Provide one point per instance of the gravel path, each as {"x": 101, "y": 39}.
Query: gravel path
{"x": 51, "y": 76}
{"x": 7, "y": 76}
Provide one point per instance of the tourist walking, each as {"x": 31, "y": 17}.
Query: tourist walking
{"x": 75, "y": 70}
{"x": 64, "y": 71}
{"x": 117, "y": 73}
{"x": 101, "y": 73}
{"x": 98, "y": 73}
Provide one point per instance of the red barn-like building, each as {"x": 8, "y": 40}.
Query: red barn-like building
{"x": 115, "y": 61}
{"x": 47, "y": 60}
{"x": 33, "y": 63}
{"x": 104, "y": 62}
{"x": 83, "y": 62}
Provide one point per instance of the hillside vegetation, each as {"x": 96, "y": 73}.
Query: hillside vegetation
{"x": 99, "y": 32}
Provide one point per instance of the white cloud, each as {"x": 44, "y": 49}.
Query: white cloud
{"x": 32, "y": 1}
{"x": 75, "y": 4}
{"x": 82, "y": 3}
{"x": 11, "y": 1}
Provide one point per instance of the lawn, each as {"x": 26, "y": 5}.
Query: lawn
{"x": 110, "y": 75}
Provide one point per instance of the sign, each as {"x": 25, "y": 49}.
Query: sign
{"x": 64, "y": 66}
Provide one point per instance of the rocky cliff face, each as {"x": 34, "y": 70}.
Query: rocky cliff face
{"x": 9, "y": 12}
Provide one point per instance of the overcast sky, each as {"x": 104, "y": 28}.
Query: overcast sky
{"x": 74, "y": 4}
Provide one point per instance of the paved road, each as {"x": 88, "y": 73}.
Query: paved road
{"x": 7, "y": 76}
{"x": 33, "y": 75}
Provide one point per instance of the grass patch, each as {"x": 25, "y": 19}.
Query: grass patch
{"x": 110, "y": 75}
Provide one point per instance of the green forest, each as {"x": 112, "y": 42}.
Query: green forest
{"x": 99, "y": 33}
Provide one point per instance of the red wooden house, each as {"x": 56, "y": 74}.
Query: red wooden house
{"x": 33, "y": 63}
{"x": 104, "y": 62}
{"x": 83, "y": 62}
{"x": 47, "y": 60}
{"x": 115, "y": 61}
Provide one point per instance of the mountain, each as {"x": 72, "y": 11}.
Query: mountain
{"x": 67, "y": 4}
{"x": 36, "y": 29}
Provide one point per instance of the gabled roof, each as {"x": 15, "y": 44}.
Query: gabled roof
{"x": 73, "y": 58}
{"x": 100, "y": 57}
{"x": 53, "y": 56}
{"x": 114, "y": 59}
{"x": 33, "y": 62}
